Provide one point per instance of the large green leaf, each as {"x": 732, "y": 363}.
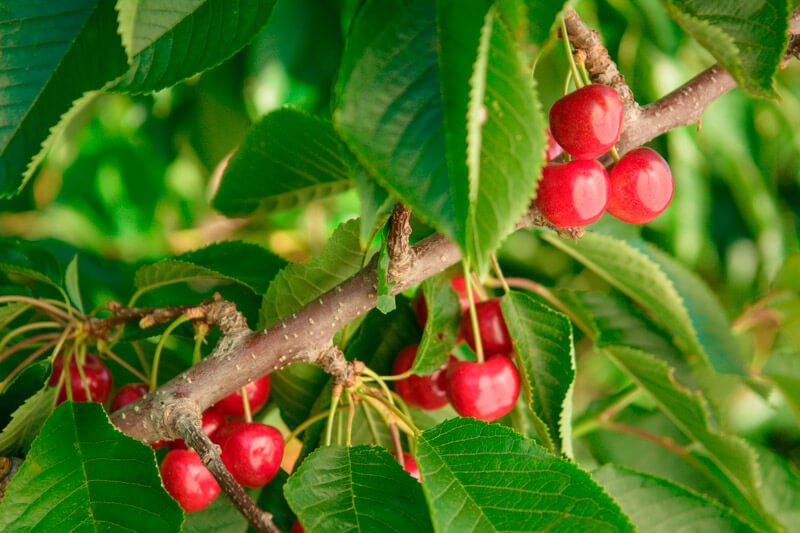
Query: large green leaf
{"x": 83, "y": 474}
{"x": 780, "y": 488}
{"x": 299, "y": 283}
{"x": 168, "y": 40}
{"x": 362, "y": 488}
{"x": 25, "y": 263}
{"x": 734, "y": 461}
{"x": 543, "y": 344}
{"x": 287, "y": 160}
{"x": 783, "y": 369}
{"x": 376, "y": 204}
{"x": 642, "y": 280}
{"x": 441, "y": 326}
{"x": 485, "y": 477}
{"x": 747, "y": 37}
{"x": 656, "y": 505}
{"x": 53, "y": 53}
{"x": 505, "y": 141}
{"x": 392, "y": 51}
{"x": 245, "y": 263}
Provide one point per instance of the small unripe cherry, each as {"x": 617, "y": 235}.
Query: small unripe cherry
{"x": 641, "y": 186}
{"x": 572, "y": 194}
{"x": 587, "y": 122}
{"x": 491, "y": 325}
{"x": 486, "y": 391}
{"x": 98, "y": 379}
{"x": 425, "y": 392}
{"x": 253, "y": 453}
{"x": 188, "y": 480}
{"x": 257, "y": 394}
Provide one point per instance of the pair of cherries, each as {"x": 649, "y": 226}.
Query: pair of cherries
{"x": 487, "y": 390}
{"x": 97, "y": 378}
{"x": 587, "y": 123}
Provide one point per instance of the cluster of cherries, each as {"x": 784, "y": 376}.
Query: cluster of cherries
{"x": 251, "y": 451}
{"x": 587, "y": 123}
{"x": 484, "y": 390}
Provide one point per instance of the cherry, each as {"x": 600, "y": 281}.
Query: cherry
{"x": 458, "y": 283}
{"x": 425, "y": 392}
{"x": 641, "y": 186}
{"x": 128, "y": 394}
{"x": 553, "y": 148}
{"x": 587, "y": 122}
{"x": 573, "y": 194}
{"x": 257, "y": 394}
{"x": 485, "y": 390}
{"x": 98, "y": 379}
{"x": 188, "y": 480}
{"x": 410, "y": 465}
{"x": 212, "y": 421}
{"x": 253, "y": 453}
{"x": 222, "y": 433}
{"x": 297, "y": 527}
{"x": 492, "y": 326}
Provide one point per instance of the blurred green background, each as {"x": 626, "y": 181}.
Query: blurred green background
{"x": 130, "y": 179}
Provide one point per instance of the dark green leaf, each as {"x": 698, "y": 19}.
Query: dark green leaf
{"x": 219, "y": 517}
{"x": 53, "y": 53}
{"x": 24, "y": 405}
{"x": 544, "y": 17}
{"x": 245, "y": 263}
{"x": 295, "y": 389}
{"x": 273, "y": 500}
{"x": 287, "y": 160}
{"x": 780, "y": 488}
{"x": 299, "y": 283}
{"x": 376, "y": 204}
{"x": 28, "y": 264}
{"x": 169, "y": 41}
{"x": 82, "y": 473}
{"x": 660, "y": 506}
{"x": 747, "y": 37}
{"x": 485, "y": 477}
{"x": 399, "y": 137}
{"x": 72, "y": 285}
{"x": 788, "y": 277}
{"x": 543, "y": 344}
{"x": 362, "y": 488}
{"x": 11, "y": 310}
{"x": 734, "y": 460}
{"x": 386, "y": 303}
{"x": 25, "y": 384}
{"x": 441, "y": 327}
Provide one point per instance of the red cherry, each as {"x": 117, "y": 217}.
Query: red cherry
{"x": 253, "y": 453}
{"x": 459, "y": 284}
{"x": 128, "y": 394}
{"x": 221, "y": 435}
{"x": 421, "y": 308}
{"x": 573, "y": 194}
{"x": 212, "y": 421}
{"x": 587, "y": 122}
{"x": 485, "y": 390}
{"x": 98, "y": 379}
{"x": 409, "y": 465}
{"x": 641, "y": 186}
{"x": 425, "y": 392}
{"x": 188, "y": 480}
{"x": 297, "y": 527}
{"x": 492, "y": 326}
{"x": 257, "y": 394}
{"x": 553, "y": 148}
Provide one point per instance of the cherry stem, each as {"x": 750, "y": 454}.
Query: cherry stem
{"x": 310, "y": 421}
{"x": 398, "y": 446}
{"x": 142, "y": 359}
{"x": 568, "y": 49}
{"x": 335, "y": 395}
{"x": 248, "y": 415}
{"x": 371, "y": 423}
{"x": 473, "y": 314}
{"x": 614, "y": 153}
{"x": 79, "y": 365}
{"x": 26, "y": 362}
{"x": 380, "y": 382}
{"x": 198, "y": 343}
{"x": 595, "y": 422}
{"x": 480, "y": 292}
{"x": 27, "y": 327}
{"x": 157, "y": 357}
{"x": 403, "y": 417}
{"x": 499, "y": 272}
{"x": 27, "y": 342}
{"x": 567, "y": 79}
{"x": 351, "y": 413}
{"x": 121, "y": 362}
{"x": 51, "y": 309}
{"x": 65, "y": 371}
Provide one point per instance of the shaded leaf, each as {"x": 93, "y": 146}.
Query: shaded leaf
{"x": 747, "y": 37}
{"x": 245, "y": 263}
{"x": 287, "y": 160}
{"x": 26, "y": 403}
{"x": 169, "y": 41}
{"x": 441, "y": 327}
{"x": 783, "y": 369}
{"x": 660, "y": 506}
{"x": 780, "y": 488}
{"x": 543, "y": 343}
{"x": 376, "y": 204}
{"x": 788, "y": 277}
{"x": 295, "y": 389}
{"x": 81, "y": 472}
{"x": 272, "y": 498}
{"x": 485, "y": 477}
{"x": 28, "y": 264}
{"x": 72, "y": 285}
{"x": 53, "y": 53}
{"x": 361, "y": 488}
{"x": 219, "y": 517}
{"x": 386, "y": 303}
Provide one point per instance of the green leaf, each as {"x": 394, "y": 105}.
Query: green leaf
{"x": 219, "y": 517}
{"x": 295, "y": 389}
{"x": 788, "y": 277}
{"x": 11, "y": 310}
{"x": 24, "y": 405}
{"x": 734, "y": 459}
{"x": 28, "y": 264}
{"x": 25, "y": 384}
{"x": 273, "y": 500}
{"x": 168, "y": 40}
{"x": 747, "y": 37}
{"x": 53, "y": 53}
{"x": 656, "y": 505}
{"x": 299, "y": 283}
{"x": 485, "y": 477}
{"x": 544, "y": 17}
{"x": 287, "y": 160}
{"x": 505, "y": 141}
{"x": 376, "y": 204}
{"x": 780, "y": 488}
{"x": 362, "y": 488}
{"x": 72, "y": 285}
{"x": 441, "y": 327}
{"x": 399, "y": 138}
{"x": 245, "y": 263}
{"x": 386, "y": 303}
{"x": 81, "y": 472}
{"x": 543, "y": 343}
{"x": 638, "y": 277}
{"x": 783, "y": 369}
